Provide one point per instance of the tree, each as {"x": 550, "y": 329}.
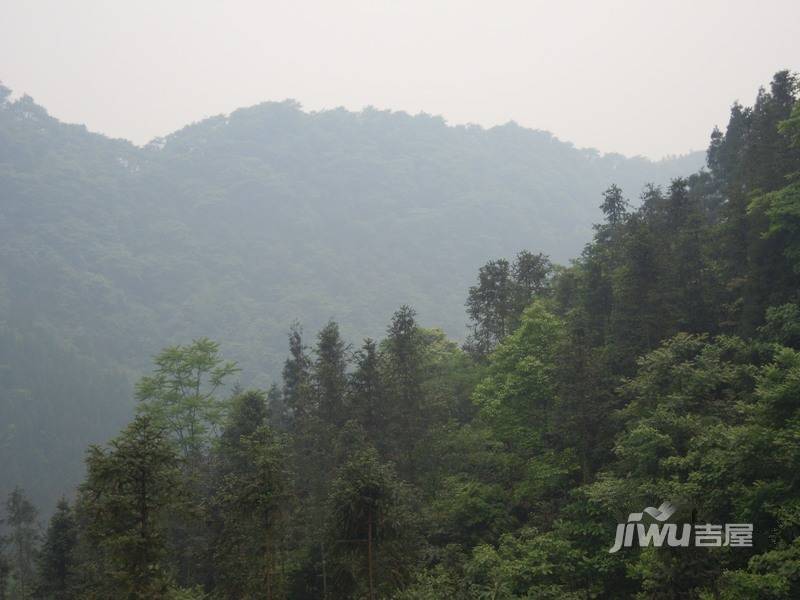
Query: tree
{"x": 490, "y": 306}
{"x": 518, "y": 393}
{"x": 371, "y": 534}
{"x": 366, "y": 392}
{"x": 781, "y": 206}
{"x": 585, "y": 400}
{"x": 503, "y": 292}
{"x": 614, "y": 206}
{"x": 181, "y": 394}
{"x": 526, "y": 565}
{"x": 253, "y": 502}
{"x": 22, "y": 539}
{"x": 248, "y": 412}
{"x": 57, "y": 560}
{"x": 517, "y": 402}
{"x": 532, "y": 278}
{"x": 403, "y": 374}
{"x": 330, "y": 377}
{"x": 296, "y": 377}
{"x": 182, "y": 399}
{"x": 130, "y": 488}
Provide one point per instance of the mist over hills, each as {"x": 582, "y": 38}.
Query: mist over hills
{"x": 238, "y": 225}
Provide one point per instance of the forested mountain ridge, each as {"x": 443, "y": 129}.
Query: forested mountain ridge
{"x": 236, "y": 226}
{"x": 661, "y": 368}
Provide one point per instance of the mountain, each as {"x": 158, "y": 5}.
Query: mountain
{"x": 238, "y": 225}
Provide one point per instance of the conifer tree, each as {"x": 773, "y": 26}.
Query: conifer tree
{"x": 296, "y": 377}
{"x": 367, "y": 394}
{"x": 403, "y": 373}
{"x": 130, "y": 488}
{"x": 330, "y": 377}
{"x": 253, "y": 500}
{"x": 57, "y": 560}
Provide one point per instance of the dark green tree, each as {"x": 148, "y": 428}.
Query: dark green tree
{"x": 403, "y": 373}
{"x": 253, "y": 500}
{"x": 296, "y": 376}
{"x": 131, "y": 487}
{"x": 330, "y": 377}
{"x": 490, "y": 306}
{"x": 366, "y": 393}
{"x": 371, "y": 533}
{"x": 57, "y": 559}
{"x": 614, "y": 206}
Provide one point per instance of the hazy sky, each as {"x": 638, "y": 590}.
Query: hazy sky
{"x": 648, "y": 77}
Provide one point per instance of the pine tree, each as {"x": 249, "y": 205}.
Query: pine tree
{"x": 253, "y": 502}
{"x": 297, "y": 377}
{"x": 403, "y": 373}
{"x": 130, "y": 489}
{"x": 57, "y": 560}
{"x": 330, "y": 377}
{"x": 367, "y": 394}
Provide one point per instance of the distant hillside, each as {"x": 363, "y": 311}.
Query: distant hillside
{"x": 238, "y": 225}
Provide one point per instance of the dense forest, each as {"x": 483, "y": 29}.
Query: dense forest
{"x": 661, "y": 365}
{"x": 237, "y": 226}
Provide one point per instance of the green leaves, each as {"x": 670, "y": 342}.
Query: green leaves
{"x": 529, "y": 564}
{"x": 372, "y": 531}
{"x": 180, "y": 395}
{"x": 130, "y": 488}
{"x": 520, "y": 384}
{"x": 252, "y": 499}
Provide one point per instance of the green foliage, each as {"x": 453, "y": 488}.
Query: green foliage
{"x": 180, "y": 396}
{"x": 372, "y": 528}
{"x": 57, "y": 558}
{"x": 252, "y": 500}
{"x": 519, "y": 387}
{"x": 496, "y": 304}
{"x": 662, "y": 364}
{"x": 782, "y": 325}
{"x": 130, "y": 488}
{"x": 526, "y": 565}
{"x": 22, "y": 537}
{"x": 782, "y": 208}
{"x": 235, "y": 226}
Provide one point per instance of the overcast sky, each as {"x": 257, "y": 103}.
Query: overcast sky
{"x": 647, "y": 77}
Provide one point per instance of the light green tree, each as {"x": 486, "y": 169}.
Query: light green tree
{"x": 181, "y": 394}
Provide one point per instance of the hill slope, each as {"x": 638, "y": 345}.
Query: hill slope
{"x": 236, "y": 226}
